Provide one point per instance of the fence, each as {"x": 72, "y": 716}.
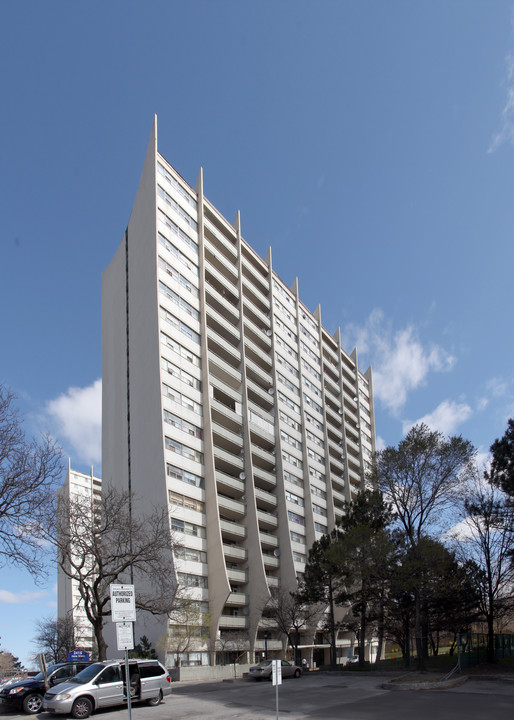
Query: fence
{"x": 474, "y": 648}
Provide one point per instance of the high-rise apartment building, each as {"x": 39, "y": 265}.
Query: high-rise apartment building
{"x": 88, "y": 488}
{"x": 227, "y": 399}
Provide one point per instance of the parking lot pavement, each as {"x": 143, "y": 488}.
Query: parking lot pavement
{"x": 354, "y": 696}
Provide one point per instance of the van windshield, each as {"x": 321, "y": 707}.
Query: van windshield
{"x": 86, "y": 675}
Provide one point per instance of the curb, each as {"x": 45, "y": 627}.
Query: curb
{"x": 425, "y": 684}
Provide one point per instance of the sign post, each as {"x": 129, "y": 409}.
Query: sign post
{"x": 123, "y": 613}
{"x": 276, "y": 677}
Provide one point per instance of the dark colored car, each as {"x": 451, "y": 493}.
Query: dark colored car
{"x": 27, "y": 695}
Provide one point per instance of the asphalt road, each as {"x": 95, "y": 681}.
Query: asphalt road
{"x": 355, "y": 696}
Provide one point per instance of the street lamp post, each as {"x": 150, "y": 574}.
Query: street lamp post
{"x": 266, "y": 638}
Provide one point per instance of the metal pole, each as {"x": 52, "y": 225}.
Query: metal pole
{"x": 127, "y": 685}
{"x": 276, "y": 688}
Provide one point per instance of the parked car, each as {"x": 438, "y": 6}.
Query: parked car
{"x": 102, "y": 684}
{"x": 27, "y": 694}
{"x": 4, "y": 682}
{"x": 264, "y": 670}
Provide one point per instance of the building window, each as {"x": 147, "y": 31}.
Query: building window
{"x": 178, "y": 254}
{"x": 178, "y": 300}
{"x": 187, "y": 528}
{"x": 319, "y": 492}
{"x": 174, "y": 228}
{"x": 311, "y": 386}
{"x": 187, "y": 554}
{"x": 294, "y": 517}
{"x": 289, "y": 421}
{"x": 290, "y": 440}
{"x": 180, "y": 374}
{"x": 184, "y": 475}
{"x": 292, "y": 459}
{"x": 182, "y": 351}
{"x": 289, "y": 385}
{"x": 286, "y": 347}
{"x": 185, "y": 502}
{"x": 287, "y": 365}
{"x": 179, "y": 325}
{"x": 319, "y": 510}
{"x": 189, "y": 580}
{"x": 317, "y": 474}
{"x": 320, "y": 528}
{"x": 171, "y": 202}
{"x": 176, "y": 185}
{"x": 287, "y": 401}
{"x": 178, "y": 277}
{"x": 312, "y": 404}
{"x": 182, "y": 424}
{"x": 293, "y": 478}
{"x": 183, "y": 450}
{"x": 297, "y": 538}
{"x": 311, "y": 370}
{"x": 296, "y": 499}
{"x": 315, "y": 456}
{"x": 181, "y": 399}
{"x": 314, "y": 422}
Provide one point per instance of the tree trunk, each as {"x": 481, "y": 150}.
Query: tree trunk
{"x": 419, "y": 632}
{"x": 362, "y": 639}
{"x": 100, "y": 640}
{"x": 332, "y": 627}
{"x": 380, "y": 630}
{"x": 491, "y": 654}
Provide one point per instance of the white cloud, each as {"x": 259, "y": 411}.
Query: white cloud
{"x": 506, "y": 133}
{"x": 400, "y": 361}
{"x": 6, "y": 596}
{"x": 78, "y": 415}
{"x": 380, "y": 443}
{"x": 445, "y": 418}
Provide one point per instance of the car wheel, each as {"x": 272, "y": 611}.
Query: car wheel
{"x": 297, "y": 673}
{"x": 33, "y": 703}
{"x": 82, "y": 708}
{"x": 153, "y": 702}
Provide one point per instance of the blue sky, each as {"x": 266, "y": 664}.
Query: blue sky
{"x": 371, "y": 144}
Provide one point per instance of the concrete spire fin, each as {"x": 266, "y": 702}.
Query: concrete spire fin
{"x": 237, "y": 222}
{"x": 317, "y": 314}
{"x": 337, "y": 336}
{"x": 354, "y": 356}
{"x": 267, "y": 259}
{"x": 294, "y": 287}
{"x": 199, "y": 183}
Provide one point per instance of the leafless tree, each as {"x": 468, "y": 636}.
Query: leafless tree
{"x": 290, "y": 615}
{"x": 104, "y": 542}
{"x": 485, "y": 536}
{"x": 190, "y": 627}
{"x": 422, "y": 478}
{"x": 56, "y": 637}
{"x": 29, "y": 471}
{"x": 233, "y": 641}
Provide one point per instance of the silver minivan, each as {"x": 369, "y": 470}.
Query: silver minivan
{"x": 102, "y": 684}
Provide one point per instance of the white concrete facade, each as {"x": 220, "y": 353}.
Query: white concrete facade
{"x": 226, "y": 398}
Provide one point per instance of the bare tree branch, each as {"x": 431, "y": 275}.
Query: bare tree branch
{"x": 102, "y": 543}
{"x": 29, "y": 472}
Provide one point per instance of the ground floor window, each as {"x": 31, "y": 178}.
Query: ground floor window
{"x": 189, "y": 659}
